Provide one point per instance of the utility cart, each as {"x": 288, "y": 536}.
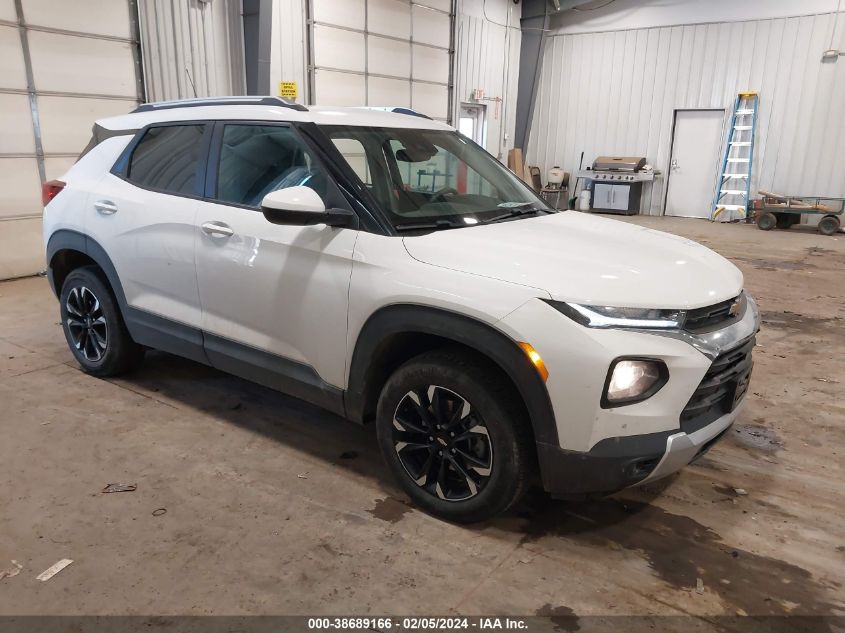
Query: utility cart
{"x": 784, "y": 211}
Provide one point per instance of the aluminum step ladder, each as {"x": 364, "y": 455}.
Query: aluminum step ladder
{"x": 733, "y": 186}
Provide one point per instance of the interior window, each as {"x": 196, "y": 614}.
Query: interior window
{"x": 356, "y": 156}
{"x": 258, "y": 159}
{"x": 167, "y": 157}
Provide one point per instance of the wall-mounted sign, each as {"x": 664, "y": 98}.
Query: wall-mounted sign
{"x": 288, "y": 89}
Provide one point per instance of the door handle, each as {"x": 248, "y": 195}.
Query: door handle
{"x": 217, "y": 229}
{"x": 105, "y": 207}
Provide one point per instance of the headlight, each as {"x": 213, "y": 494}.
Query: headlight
{"x": 632, "y": 380}
{"x": 607, "y": 316}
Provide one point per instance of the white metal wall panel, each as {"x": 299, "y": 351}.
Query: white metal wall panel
{"x": 349, "y": 13}
{"x": 399, "y": 49}
{"x": 616, "y": 93}
{"x": 487, "y": 43}
{"x": 390, "y": 17}
{"x": 430, "y": 26}
{"x": 64, "y": 63}
{"x": 21, "y": 189}
{"x": 102, "y": 17}
{"x": 339, "y": 48}
{"x": 66, "y": 121}
{"x": 7, "y": 11}
{"x": 16, "y": 135}
{"x": 341, "y": 89}
{"x": 12, "y": 71}
{"x": 389, "y": 57}
{"x": 191, "y": 48}
{"x": 288, "y": 46}
{"x": 82, "y": 66}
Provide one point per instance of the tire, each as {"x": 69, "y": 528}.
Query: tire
{"x": 484, "y": 443}
{"x": 767, "y": 221}
{"x": 829, "y": 225}
{"x": 786, "y": 220}
{"x": 93, "y": 326}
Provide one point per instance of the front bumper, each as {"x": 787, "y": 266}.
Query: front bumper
{"x": 620, "y": 462}
{"x": 600, "y": 451}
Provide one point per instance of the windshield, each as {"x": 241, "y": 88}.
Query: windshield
{"x": 432, "y": 177}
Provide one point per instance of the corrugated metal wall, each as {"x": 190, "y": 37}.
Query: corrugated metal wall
{"x": 616, "y": 92}
{"x": 287, "y": 54}
{"x": 185, "y": 42}
{"x": 487, "y": 57}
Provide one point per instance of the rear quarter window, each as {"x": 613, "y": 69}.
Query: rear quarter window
{"x": 167, "y": 159}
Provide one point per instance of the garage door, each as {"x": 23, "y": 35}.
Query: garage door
{"x": 382, "y": 53}
{"x": 62, "y": 65}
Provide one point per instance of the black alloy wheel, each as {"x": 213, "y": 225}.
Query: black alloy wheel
{"x": 86, "y": 323}
{"x": 442, "y": 443}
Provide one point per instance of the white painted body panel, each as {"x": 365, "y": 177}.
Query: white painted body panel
{"x": 587, "y": 259}
{"x": 67, "y": 210}
{"x": 281, "y": 289}
{"x": 150, "y": 240}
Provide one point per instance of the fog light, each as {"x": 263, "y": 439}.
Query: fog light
{"x": 634, "y": 380}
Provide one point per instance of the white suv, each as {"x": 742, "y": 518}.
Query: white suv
{"x": 380, "y": 265}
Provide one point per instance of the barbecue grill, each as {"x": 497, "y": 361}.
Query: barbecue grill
{"x": 617, "y": 183}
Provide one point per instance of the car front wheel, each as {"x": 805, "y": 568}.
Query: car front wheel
{"x": 455, "y": 436}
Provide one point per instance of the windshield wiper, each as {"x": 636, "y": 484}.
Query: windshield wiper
{"x": 513, "y": 213}
{"x": 436, "y": 225}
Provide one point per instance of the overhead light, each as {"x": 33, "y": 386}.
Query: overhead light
{"x": 831, "y": 55}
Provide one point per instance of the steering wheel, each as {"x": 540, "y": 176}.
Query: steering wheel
{"x": 440, "y": 194}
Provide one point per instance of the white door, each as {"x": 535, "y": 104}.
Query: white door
{"x": 471, "y": 122}
{"x": 696, "y": 149}
{"x": 282, "y": 290}
{"x": 145, "y": 220}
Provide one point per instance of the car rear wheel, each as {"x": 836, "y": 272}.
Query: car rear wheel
{"x": 455, "y": 437}
{"x": 94, "y": 327}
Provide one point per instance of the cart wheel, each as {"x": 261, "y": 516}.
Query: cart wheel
{"x": 786, "y": 220}
{"x": 767, "y": 221}
{"x": 828, "y": 225}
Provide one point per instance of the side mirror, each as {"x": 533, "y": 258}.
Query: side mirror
{"x": 302, "y": 206}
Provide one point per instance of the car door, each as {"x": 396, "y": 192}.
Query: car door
{"x": 274, "y": 298}
{"x": 143, "y": 215}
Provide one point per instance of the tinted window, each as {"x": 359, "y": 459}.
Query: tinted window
{"x": 166, "y": 158}
{"x": 258, "y": 159}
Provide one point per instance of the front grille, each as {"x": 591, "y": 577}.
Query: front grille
{"x": 715, "y": 395}
{"x": 710, "y": 317}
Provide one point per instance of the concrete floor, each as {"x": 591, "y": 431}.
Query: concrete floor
{"x": 275, "y": 507}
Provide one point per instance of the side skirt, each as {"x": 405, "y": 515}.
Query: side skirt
{"x": 276, "y": 372}
{"x": 279, "y": 373}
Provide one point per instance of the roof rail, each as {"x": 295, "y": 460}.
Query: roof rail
{"x": 219, "y": 101}
{"x": 398, "y": 110}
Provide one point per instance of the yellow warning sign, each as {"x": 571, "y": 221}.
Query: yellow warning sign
{"x": 288, "y": 89}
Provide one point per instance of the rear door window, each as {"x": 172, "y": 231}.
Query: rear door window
{"x": 167, "y": 159}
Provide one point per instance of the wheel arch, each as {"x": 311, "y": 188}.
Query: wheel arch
{"x": 68, "y": 250}
{"x": 396, "y": 333}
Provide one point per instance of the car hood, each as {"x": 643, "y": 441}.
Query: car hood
{"x": 586, "y": 259}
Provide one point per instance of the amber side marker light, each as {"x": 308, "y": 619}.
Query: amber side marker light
{"x": 536, "y": 360}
